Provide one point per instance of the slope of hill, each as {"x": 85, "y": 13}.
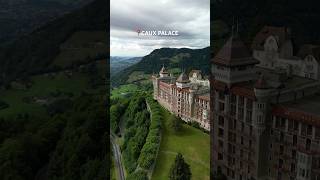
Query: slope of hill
{"x": 174, "y": 59}
{"x": 34, "y": 53}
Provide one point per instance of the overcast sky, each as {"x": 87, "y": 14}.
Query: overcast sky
{"x": 190, "y": 17}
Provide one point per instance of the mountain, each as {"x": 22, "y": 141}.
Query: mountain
{"x": 35, "y": 52}
{"x": 19, "y": 17}
{"x": 173, "y": 58}
{"x": 118, "y": 63}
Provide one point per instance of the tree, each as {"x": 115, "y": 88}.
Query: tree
{"x": 219, "y": 175}
{"x": 175, "y": 123}
{"x": 180, "y": 170}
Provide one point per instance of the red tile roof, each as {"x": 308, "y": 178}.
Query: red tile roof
{"x": 241, "y": 89}
{"x": 234, "y": 53}
{"x": 296, "y": 114}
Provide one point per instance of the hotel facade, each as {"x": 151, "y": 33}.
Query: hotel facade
{"x": 265, "y": 109}
{"x": 186, "y": 96}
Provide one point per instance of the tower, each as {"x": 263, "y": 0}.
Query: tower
{"x": 155, "y": 82}
{"x": 233, "y": 63}
{"x": 260, "y": 119}
{"x": 163, "y": 72}
{"x": 183, "y": 80}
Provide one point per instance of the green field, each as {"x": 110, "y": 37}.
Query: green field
{"x": 192, "y": 143}
{"x": 43, "y": 87}
{"x": 124, "y": 90}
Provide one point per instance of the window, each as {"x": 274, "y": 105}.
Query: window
{"x": 221, "y": 121}
{"x": 220, "y": 156}
{"x": 249, "y": 104}
{"x": 233, "y": 98}
{"x": 241, "y": 140}
{"x": 309, "y": 130}
{"x": 293, "y": 154}
{"x": 281, "y": 136}
{"x": 280, "y": 163}
{"x": 249, "y": 116}
{"x": 233, "y": 109}
{"x": 221, "y": 106}
{"x": 294, "y": 140}
{"x": 260, "y": 119}
{"x": 221, "y": 95}
{"x": 296, "y": 126}
{"x": 241, "y": 113}
{"x": 308, "y": 144}
{"x": 293, "y": 167}
{"x": 281, "y": 149}
{"x": 221, "y": 132}
{"x": 241, "y": 100}
{"x": 317, "y": 133}
{"x": 290, "y": 125}
{"x": 220, "y": 144}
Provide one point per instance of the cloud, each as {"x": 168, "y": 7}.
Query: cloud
{"x": 191, "y": 18}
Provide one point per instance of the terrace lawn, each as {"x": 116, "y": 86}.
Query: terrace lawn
{"x": 192, "y": 143}
{"x": 123, "y": 90}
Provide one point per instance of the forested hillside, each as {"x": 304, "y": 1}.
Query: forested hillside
{"x": 183, "y": 58}
{"x": 34, "y": 53}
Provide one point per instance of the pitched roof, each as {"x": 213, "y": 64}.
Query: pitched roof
{"x": 309, "y": 49}
{"x": 183, "y": 78}
{"x": 164, "y": 70}
{"x": 234, "y": 53}
{"x": 282, "y": 34}
{"x": 194, "y": 71}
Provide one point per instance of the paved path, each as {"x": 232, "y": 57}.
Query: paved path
{"x": 117, "y": 157}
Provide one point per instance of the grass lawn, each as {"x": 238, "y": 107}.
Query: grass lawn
{"x": 192, "y": 143}
{"x": 123, "y": 90}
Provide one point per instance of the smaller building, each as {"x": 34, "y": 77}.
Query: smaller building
{"x": 186, "y": 96}
{"x": 273, "y": 47}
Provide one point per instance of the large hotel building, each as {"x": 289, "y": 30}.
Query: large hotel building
{"x": 265, "y": 108}
{"x": 187, "y": 96}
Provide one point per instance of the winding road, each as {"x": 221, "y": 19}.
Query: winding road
{"x": 117, "y": 157}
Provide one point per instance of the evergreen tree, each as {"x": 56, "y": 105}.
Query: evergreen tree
{"x": 180, "y": 170}
{"x": 175, "y": 123}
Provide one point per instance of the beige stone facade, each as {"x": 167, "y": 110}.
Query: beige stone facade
{"x": 187, "y": 96}
{"x": 265, "y": 120}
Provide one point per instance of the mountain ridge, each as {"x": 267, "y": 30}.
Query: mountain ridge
{"x": 182, "y": 58}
